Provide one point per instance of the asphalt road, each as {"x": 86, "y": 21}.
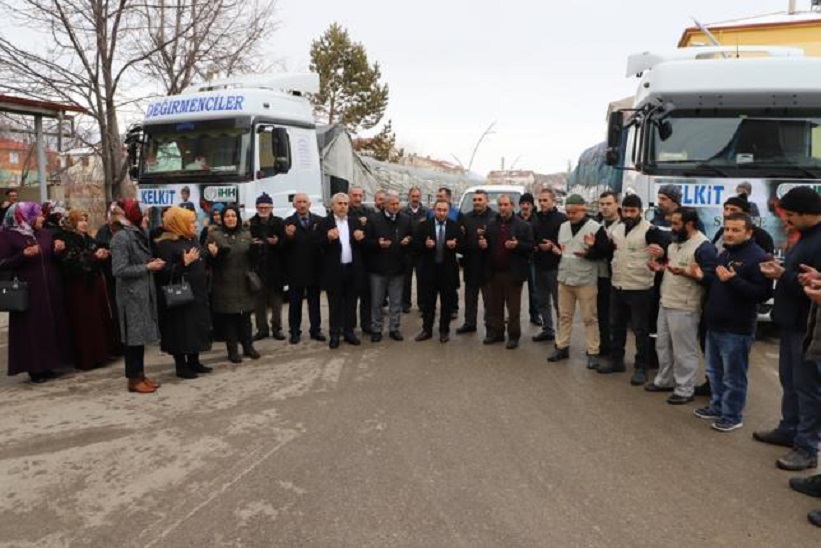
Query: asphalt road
{"x": 393, "y": 444}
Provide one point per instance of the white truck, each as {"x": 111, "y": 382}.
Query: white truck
{"x": 710, "y": 118}
{"x": 228, "y": 141}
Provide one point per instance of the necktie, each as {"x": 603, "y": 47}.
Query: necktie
{"x": 304, "y": 222}
{"x": 440, "y": 242}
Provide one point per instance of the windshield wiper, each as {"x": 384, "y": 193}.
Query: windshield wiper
{"x": 712, "y": 168}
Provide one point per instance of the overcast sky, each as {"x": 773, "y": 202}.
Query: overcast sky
{"x": 543, "y": 71}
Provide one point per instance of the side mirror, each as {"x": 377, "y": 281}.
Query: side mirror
{"x": 281, "y": 144}
{"x": 133, "y": 141}
{"x": 615, "y": 128}
{"x": 665, "y": 130}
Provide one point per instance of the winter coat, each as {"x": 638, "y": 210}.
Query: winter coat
{"x": 792, "y": 306}
{"x": 267, "y": 258}
{"x": 332, "y": 255}
{"x": 388, "y": 261}
{"x": 301, "y": 252}
{"x": 136, "y": 294}
{"x": 229, "y": 292}
{"x": 812, "y": 343}
{"x": 474, "y": 257}
{"x": 520, "y": 255}
{"x": 184, "y": 329}
{"x": 546, "y": 227}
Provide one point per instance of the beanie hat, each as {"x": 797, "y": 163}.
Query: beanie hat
{"x": 802, "y": 199}
{"x": 574, "y": 199}
{"x": 265, "y": 199}
{"x": 527, "y": 197}
{"x": 631, "y": 200}
{"x": 671, "y": 191}
{"x": 739, "y": 201}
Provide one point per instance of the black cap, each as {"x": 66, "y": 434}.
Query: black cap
{"x": 802, "y": 199}
{"x": 631, "y": 200}
{"x": 527, "y": 197}
{"x": 739, "y": 201}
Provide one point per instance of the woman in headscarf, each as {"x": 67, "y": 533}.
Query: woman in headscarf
{"x": 232, "y": 300}
{"x": 91, "y": 320}
{"x": 38, "y": 338}
{"x": 185, "y": 330}
{"x": 133, "y": 267}
{"x": 214, "y": 220}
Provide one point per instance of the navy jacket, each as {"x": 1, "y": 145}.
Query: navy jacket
{"x": 733, "y": 305}
{"x": 792, "y": 306}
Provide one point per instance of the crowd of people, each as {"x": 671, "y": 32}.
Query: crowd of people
{"x": 682, "y": 294}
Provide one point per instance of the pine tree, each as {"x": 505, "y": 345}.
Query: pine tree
{"x": 381, "y": 146}
{"x": 349, "y": 88}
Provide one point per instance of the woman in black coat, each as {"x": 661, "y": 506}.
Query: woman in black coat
{"x": 184, "y": 329}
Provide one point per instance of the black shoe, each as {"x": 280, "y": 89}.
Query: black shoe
{"x": 797, "y": 460}
{"x": 279, "y": 335}
{"x": 774, "y": 437}
{"x": 814, "y": 517}
{"x": 559, "y": 354}
{"x": 454, "y": 315}
{"x": 186, "y": 373}
{"x": 334, "y": 342}
{"x": 544, "y": 336}
{"x": 396, "y": 335}
{"x": 376, "y": 337}
{"x": 615, "y": 366}
{"x": 233, "y": 353}
{"x": 653, "y": 387}
{"x": 536, "y": 321}
{"x": 675, "y": 399}
{"x": 639, "y": 377}
{"x": 318, "y": 337}
{"x": 37, "y": 378}
{"x": 592, "y": 362}
{"x": 294, "y": 338}
{"x": 260, "y": 336}
{"x": 406, "y": 309}
{"x": 199, "y": 368}
{"x": 512, "y": 344}
{"x": 810, "y": 485}
{"x": 704, "y": 390}
{"x": 444, "y": 337}
{"x": 251, "y": 352}
{"x": 465, "y": 329}
{"x": 491, "y": 339}
{"x": 423, "y": 336}
{"x": 351, "y": 339}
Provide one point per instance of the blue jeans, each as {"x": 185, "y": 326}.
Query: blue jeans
{"x": 801, "y": 399}
{"x": 728, "y": 356}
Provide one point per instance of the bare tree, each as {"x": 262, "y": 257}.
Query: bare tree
{"x": 99, "y": 48}
{"x": 197, "y": 39}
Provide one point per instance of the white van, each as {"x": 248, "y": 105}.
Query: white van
{"x": 493, "y": 192}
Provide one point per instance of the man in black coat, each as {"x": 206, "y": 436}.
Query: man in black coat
{"x": 362, "y": 213}
{"x": 417, "y": 213}
{"x": 341, "y": 238}
{"x": 268, "y": 231}
{"x": 508, "y": 245}
{"x": 474, "y": 225}
{"x": 437, "y": 241}
{"x": 546, "y": 258}
{"x": 388, "y": 241}
{"x": 304, "y": 260}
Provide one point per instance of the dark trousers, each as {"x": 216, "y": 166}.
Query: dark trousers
{"x": 134, "y": 362}
{"x": 532, "y": 299}
{"x": 265, "y": 299}
{"x": 437, "y": 287}
{"x": 504, "y": 292}
{"x": 295, "y": 297}
{"x": 363, "y": 294}
{"x": 655, "y": 304}
{"x": 801, "y": 398}
{"x": 472, "y": 303}
{"x": 186, "y": 360}
{"x": 631, "y": 306}
{"x": 342, "y": 304}
{"x": 411, "y": 266}
{"x": 603, "y": 310}
{"x": 237, "y": 329}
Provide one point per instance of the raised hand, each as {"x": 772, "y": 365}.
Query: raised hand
{"x": 384, "y": 243}
{"x": 191, "y": 256}
{"x": 451, "y": 243}
{"x": 290, "y": 230}
{"x": 655, "y": 251}
{"x": 333, "y": 234}
{"x": 155, "y": 264}
{"x": 213, "y": 248}
{"x": 695, "y": 271}
{"x": 59, "y": 246}
{"x": 725, "y": 274}
{"x": 512, "y": 243}
{"x": 358, "y": 235}
{"x": 430, "y": 243}
{"x": 545, "y": 245}
{"x": 808, "y": 274}
{"x": 32, "y": 251}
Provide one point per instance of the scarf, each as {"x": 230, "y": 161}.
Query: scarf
{"x": 21, "y": 217}
{"x": 176, "y": 223}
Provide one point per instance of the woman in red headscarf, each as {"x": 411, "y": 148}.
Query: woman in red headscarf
{"x": 92, "y": 322}
{"x": 133, "y": 267}
{"x": 38, "y": 340}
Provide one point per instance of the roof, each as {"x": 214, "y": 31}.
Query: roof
{"x": 22, "y": 105}
{"x": 778, "y": 19}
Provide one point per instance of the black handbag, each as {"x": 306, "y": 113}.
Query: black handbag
{"x": 176, "y": 295}
{"x": 253, "y": 281}
{"x": 14, "y": 296}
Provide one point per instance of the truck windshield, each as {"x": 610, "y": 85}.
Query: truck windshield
{"x": 175, "y": 151}
{"x": 729, "y": 142}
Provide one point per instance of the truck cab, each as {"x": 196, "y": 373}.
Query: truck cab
{"x": 229, "y": 141}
